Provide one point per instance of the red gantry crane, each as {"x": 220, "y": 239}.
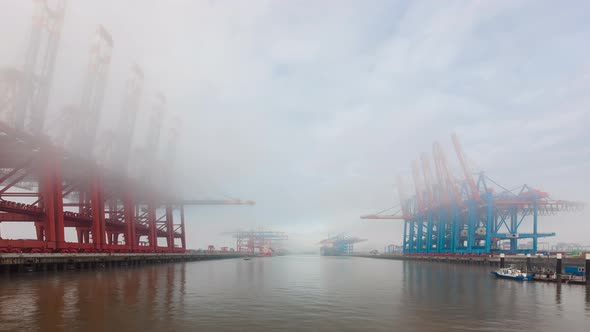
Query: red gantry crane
{"x": 61, "y": 189}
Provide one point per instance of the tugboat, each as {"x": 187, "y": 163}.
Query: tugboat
{"x": 512, "y": 273}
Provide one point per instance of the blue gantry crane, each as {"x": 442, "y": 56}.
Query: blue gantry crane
{"x": 469, "y": 215}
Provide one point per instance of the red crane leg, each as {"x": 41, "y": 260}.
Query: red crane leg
{"x": 54, "y": 171}
{"x": 86, "y": 235}
{"x": 98, "y": 222}
{"x": 130, "y": 231}
{"x": 170, "y": 228}
{"x": 151, "y": 215}
{"x": 40, "y": 230}
{"x": 183, "y": 236}
{"x": 47, "y": 185}
{"x": 80, "y": 235}
{"x": 60, "y": 235}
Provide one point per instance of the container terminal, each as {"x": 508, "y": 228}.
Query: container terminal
{"x": 60, "y": 175}
{"x": 472, "y": 215}
{"x": 475, "y": 220}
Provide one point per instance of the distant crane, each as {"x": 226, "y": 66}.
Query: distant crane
{"x": 260, "y": 242}
{"x": 341, "y": 244}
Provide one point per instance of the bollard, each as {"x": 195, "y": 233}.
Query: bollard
{"x": 502, "y": 261}
{"x": 587, "y": 269}
{"x": 558, "y": 268}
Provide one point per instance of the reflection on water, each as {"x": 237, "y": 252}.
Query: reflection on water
{"x": 128, "y": 299}
{"x": 289, "y": 293}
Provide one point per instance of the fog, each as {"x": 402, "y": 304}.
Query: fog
{"x": 313, "y": 108}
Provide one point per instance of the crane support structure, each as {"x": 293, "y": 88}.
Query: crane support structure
{"x": 473, "y": 216}
{"x": 56, "y": 192}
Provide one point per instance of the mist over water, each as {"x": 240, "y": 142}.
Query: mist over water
{"x": 292, "y": 293}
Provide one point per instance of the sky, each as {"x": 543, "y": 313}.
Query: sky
{"x": 312, "y": 108}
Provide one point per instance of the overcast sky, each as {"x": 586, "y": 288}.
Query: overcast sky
{"x": 311, "y": 108}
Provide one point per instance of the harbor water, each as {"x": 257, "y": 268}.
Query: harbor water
{"x": 289, "y": 293}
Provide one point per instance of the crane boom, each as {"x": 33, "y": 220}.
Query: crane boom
{"x": 468, "y": 175}
{"x": 443, "y": 190}
{"x": 155, "y": 123}
{"x": 449, "y": 186}
{"x": 93, "y": 93}
{"x": 405, "y": 213}
{"x": 173, "y": 134}
{"x": 418, "y": 185}
{"x": 427, "y": 180}
{"x": 402, "y": 196}
{"x": 33, "y": 95}
{"x": 127, "y": 118}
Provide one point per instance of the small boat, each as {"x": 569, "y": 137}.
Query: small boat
{"x": 512, "y": 273}
{"x": 246, "y": 258}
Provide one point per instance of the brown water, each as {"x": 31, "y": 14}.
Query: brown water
{"x": 292, "y": 293}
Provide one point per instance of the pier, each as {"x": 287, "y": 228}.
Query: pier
{"x": 19, "y": 263}
{"x": 555, "y": 264}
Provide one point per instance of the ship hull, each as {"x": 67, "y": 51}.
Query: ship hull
{"x": 517, "y": 278}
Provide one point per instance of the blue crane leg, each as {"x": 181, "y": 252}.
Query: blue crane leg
{"x": 429, "y": 232}
{"x": 420, "y": 232}
{"x": 535, "y": 229}
{"x": 489, "y": 222}
{"x": 513, "y": 229}
{"x": 411, "y": 248}
{"x": 471, "y": 226}
{"x": 454, "y": 220}
{"x": 405, "y": 240}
